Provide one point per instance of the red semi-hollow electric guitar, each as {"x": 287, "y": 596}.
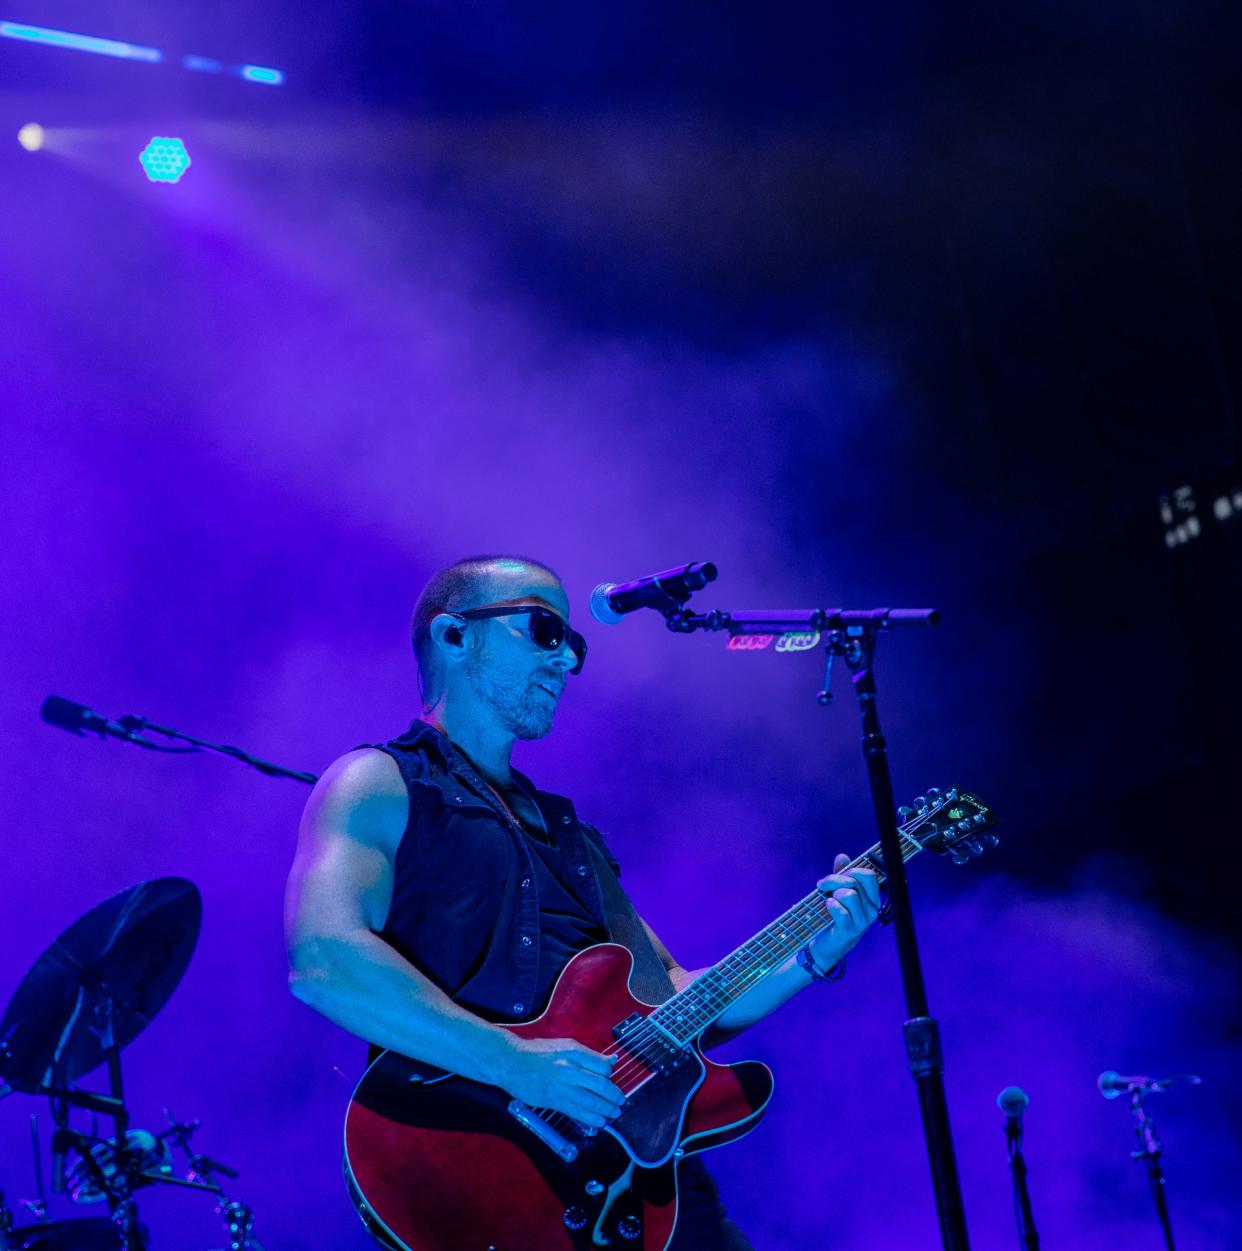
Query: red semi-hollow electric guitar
{"x": 436, "y": 1162}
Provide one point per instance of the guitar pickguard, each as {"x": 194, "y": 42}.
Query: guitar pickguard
{"x": 649, "y": 1126}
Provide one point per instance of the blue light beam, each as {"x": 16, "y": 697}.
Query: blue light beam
{"x": 80, "y": 43}
{"x": 204, "y": 64}
{"x": 164, "y": 159}
{"x": 262, "y": 74}
{"x": 51, "y": 38}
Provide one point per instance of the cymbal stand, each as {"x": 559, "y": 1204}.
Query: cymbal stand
{"x": 122, "y": 1205}
{"x": 37, "y": 1206}
{"x": 118, "y": 1189}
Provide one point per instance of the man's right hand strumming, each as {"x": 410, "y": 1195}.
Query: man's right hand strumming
{"x": 563, "y": 1075}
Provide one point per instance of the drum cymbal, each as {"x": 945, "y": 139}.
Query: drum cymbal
{"x": 109, "y": 973}
{"x": 89, "y": 1234}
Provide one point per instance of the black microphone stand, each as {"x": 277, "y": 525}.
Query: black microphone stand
{"x": 1150, "y": 1155}
{"x": 852, "y": 636}
{"x": 1028, "y": 1238}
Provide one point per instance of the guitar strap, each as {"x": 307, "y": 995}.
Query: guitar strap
{"x": 650, "y": 980}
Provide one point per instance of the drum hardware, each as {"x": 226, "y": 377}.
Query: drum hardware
{"x": 85, "y": 999}
{"x": 238, "y": 1217}
{"x": 93, "y": 1233}
{"x": 145, "y": 1158}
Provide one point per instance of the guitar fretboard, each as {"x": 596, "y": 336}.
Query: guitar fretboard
{"x": 689, "y": 1012}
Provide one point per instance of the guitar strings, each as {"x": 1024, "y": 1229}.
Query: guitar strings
{"x": 643, "y": 1036}
{"x": 767, "y": 944}
{"x": 648, "y": 1031}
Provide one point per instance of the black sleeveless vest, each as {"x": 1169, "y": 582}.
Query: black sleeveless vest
{"x": 465, "y": 900}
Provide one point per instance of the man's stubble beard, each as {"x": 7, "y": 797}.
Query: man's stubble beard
{"x": 526, "y": 716}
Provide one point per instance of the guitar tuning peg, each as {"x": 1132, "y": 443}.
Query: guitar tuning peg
{"x": 958, "y": 856}
{"x": 905, "y": 811}
{"x": 990, "y": 840}
{"x": 974, "y": 846}
{"x": 934, "y": 796}
{"x": 920, "y": 802}
{"x": 951, "y": 794}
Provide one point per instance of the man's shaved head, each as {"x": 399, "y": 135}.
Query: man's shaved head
{"x": 471, "y": 583}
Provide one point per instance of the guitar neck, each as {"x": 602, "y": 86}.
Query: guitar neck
{"x": 689, "y": 1012}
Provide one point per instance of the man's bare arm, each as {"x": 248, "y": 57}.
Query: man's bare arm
{"x": 338, "y": 896}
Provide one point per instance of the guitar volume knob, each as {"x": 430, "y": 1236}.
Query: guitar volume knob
{"x": 575, "y": 1218}
{"x": 630, "y": 1227}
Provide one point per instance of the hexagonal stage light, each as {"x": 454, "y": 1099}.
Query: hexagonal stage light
{"x": 164, "y": 159}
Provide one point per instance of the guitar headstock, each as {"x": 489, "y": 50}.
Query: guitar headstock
{"x": 952, "y": 823}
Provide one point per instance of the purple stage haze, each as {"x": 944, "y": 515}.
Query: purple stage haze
{"x": 246, "y": 416}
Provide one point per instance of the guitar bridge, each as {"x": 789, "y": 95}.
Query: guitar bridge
{"x": 530, "y": 1119}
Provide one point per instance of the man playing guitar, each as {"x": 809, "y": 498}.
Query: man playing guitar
{"x": 436, "y": 893}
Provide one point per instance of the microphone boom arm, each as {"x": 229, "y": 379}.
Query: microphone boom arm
{"x": 789, "y": 620}
{"x": 223, "y": 749}
{"x": 78, "y": 719}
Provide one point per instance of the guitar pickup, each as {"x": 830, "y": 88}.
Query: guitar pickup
{"x": 635, "y": 1018}
{"x": 654, "y": 1048}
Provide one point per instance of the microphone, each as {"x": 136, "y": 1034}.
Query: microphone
{"x": 665, "y": 592}
{"x": 1013, "y": 1101}
{"x": 1112, "y": 1084}
{"x": 79, "y": 719}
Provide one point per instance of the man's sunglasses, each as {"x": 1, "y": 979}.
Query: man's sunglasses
{"x": 546, "y": 629}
